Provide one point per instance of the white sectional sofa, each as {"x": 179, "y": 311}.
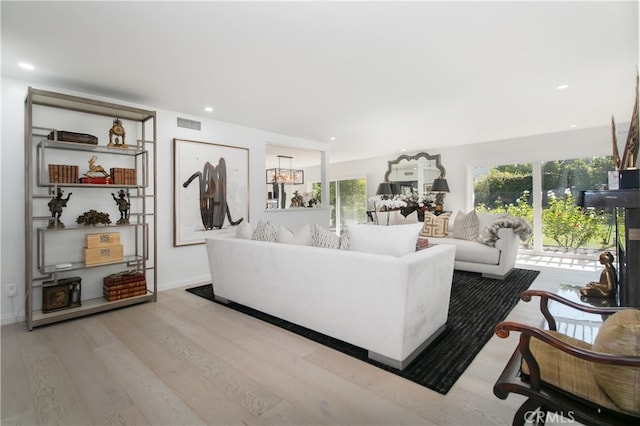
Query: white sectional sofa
{"x": 393, "y": 305}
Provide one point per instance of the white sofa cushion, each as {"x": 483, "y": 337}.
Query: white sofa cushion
{"x": 396, "y": 240}
{"x": 471, "y": 251}
{"x": 244, "y": 230}
{"x": 302, "y": 237}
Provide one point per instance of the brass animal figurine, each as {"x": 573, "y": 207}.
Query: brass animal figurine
{"x": 95, "y": 168}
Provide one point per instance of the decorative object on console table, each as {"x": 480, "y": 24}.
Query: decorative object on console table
{"x": 441, "y": 187}
{"x": 61, "y": 294}
{"x": 64, "y": 136}
{"x": 124, "y": 285}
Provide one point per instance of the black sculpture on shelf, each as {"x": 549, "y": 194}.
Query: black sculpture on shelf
{"x": 55, "y": 207}
{"x": 123, "y": 206}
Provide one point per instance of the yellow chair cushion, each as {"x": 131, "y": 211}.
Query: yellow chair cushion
{"x": 620, "y": 335}
{"x": 566, "y": 372}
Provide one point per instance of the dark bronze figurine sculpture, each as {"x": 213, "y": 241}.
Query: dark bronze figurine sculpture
{"x": 213, "y": 195}
{"x": 606, "y": 287}
{"x": 123, "y": 206}
{"x": 55, "y": 207}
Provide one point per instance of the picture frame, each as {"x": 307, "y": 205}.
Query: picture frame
{"x": 426, "y": 188}
{"x": 201, "y": 183}
{"x": 406, "y": 190}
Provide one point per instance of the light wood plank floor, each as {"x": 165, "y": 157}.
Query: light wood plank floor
{"x": 184, "y": 360}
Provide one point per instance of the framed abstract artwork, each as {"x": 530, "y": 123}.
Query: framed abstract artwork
{"x": 210, "y": 190}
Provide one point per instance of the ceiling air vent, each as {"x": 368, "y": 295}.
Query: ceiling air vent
{"x": 189, "y": 124}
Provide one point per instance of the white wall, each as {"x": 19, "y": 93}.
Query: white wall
{"x": 459, "y": 161}
{"x": 177, "y": 266}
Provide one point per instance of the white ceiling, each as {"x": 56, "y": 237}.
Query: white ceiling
{"x": 377, "y": 76}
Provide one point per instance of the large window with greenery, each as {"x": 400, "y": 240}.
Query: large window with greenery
{"x": 348, "y": 199}
{"x": 565, "y": 226}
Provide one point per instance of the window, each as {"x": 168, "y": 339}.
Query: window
{"x": 348, "y": 199}
{"x": 565, "y": 226}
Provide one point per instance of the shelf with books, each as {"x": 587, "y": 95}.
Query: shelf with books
{"x": 116, "y": 172}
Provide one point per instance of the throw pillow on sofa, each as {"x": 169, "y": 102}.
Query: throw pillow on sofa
{"x": 244, "y": 230}
{"x": 466, "y": 226}
{"x": 325, "y": 238}
{"x": 265, "y": 231}
{"x": 435, "y": 226}
{"x": 303, "y": 237}
{"x": 396, "y": 240}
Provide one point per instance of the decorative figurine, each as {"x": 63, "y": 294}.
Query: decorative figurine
{"x": 606, "y": 287}
{"x": 118, "y": 131}
{"x": 296, "y": 200}
{"x": 123, "y": 205}
{"x": 94, "y": 169}
{"x": 93, "y": 218}
{"x": 55, "y": 207}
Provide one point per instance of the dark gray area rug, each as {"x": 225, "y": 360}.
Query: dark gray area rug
{"x": 477, "y": 305}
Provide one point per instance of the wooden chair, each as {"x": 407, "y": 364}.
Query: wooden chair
{"x": 595, "y": 384}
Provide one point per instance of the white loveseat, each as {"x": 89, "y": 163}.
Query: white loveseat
{"x": 492, "y": 261}
{"x": 393, "y": 306}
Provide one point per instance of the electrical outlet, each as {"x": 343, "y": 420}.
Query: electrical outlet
{"x": 12, "y": 290}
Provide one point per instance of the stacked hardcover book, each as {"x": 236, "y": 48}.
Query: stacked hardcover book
{"x": 124, "y": 285}
{"x": 63, "y": 173}
{"x": 122, "y": 176}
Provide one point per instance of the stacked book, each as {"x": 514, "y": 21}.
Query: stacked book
{"x": 124, "y": 285}
{"x": 122, "y": 176}
{"x": 63, "y": 173}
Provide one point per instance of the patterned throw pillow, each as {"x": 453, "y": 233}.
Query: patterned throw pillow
{"x": 466, "y": 226}
{"x": 323, "y": 237}
{"x": 265, "y": 231}
{"x": 435, "y": 226}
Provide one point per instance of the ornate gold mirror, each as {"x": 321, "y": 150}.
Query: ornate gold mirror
{"x": 415, "y": 172}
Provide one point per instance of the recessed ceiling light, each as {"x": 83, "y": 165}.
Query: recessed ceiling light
{"x": 208, "y": 109}
{"x": 562, "y": 86}
{"x": 26, "y": 66}
{"x": 332, "y": 138}
{"x": 573, "y": 126}
{"x": 403, "y": 150}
